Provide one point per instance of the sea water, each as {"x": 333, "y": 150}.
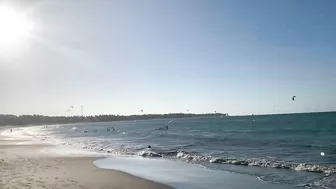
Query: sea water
{"x": 183, "y": 175}
{"x": 281, "y": 149}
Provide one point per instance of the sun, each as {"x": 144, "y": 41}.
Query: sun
{"x": 14, "y": 26}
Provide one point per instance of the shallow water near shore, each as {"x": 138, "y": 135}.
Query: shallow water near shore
{"x": 182, "y": 175}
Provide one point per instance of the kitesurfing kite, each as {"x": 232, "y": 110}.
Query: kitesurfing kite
{"x": 70, "y": 108}
{"x": 293, "y": 98}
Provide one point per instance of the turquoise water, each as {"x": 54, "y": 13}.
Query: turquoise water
{"x": 283, "y": 149}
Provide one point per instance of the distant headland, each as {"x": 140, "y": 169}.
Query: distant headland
{"x": 7, "y": 119}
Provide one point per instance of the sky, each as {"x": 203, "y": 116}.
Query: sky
{"x": 164, "y": 56}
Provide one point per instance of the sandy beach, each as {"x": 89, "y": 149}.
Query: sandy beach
{"x": 24, "y": 166}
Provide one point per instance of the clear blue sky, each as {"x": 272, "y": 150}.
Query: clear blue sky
{"x": 118, "y": 57}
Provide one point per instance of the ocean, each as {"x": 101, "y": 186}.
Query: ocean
{"x": 292, "y": 149}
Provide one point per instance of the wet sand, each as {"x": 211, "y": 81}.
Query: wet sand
{"x": 24, "y": 167}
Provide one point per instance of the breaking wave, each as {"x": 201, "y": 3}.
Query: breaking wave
{"x": 327, "y": 169}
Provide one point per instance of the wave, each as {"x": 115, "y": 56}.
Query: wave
{"x": 194, "y": 158}
{"x": 270, "y": 163}
{"x": 145, "y": 153}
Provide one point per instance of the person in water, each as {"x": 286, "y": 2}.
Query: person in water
{"x": 149, "y": 147}
{"x": 162, "y": 128}
{"x": 108, "y": 129}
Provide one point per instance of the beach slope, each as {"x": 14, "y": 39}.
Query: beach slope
{"x": 23, "y": 166}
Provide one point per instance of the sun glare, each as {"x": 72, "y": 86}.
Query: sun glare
{"x": 14, "y": 26}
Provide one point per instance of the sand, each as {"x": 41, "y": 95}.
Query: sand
{"x": 24, "y": 167}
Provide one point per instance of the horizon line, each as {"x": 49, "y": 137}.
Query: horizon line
{"x": 129, "y": 115}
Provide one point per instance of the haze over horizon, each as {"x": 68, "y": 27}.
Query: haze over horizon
{"x": 121, "y": 56}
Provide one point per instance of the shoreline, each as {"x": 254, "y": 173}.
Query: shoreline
{"x": 25, "y": 166}
{"x": 117, "y": 172}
